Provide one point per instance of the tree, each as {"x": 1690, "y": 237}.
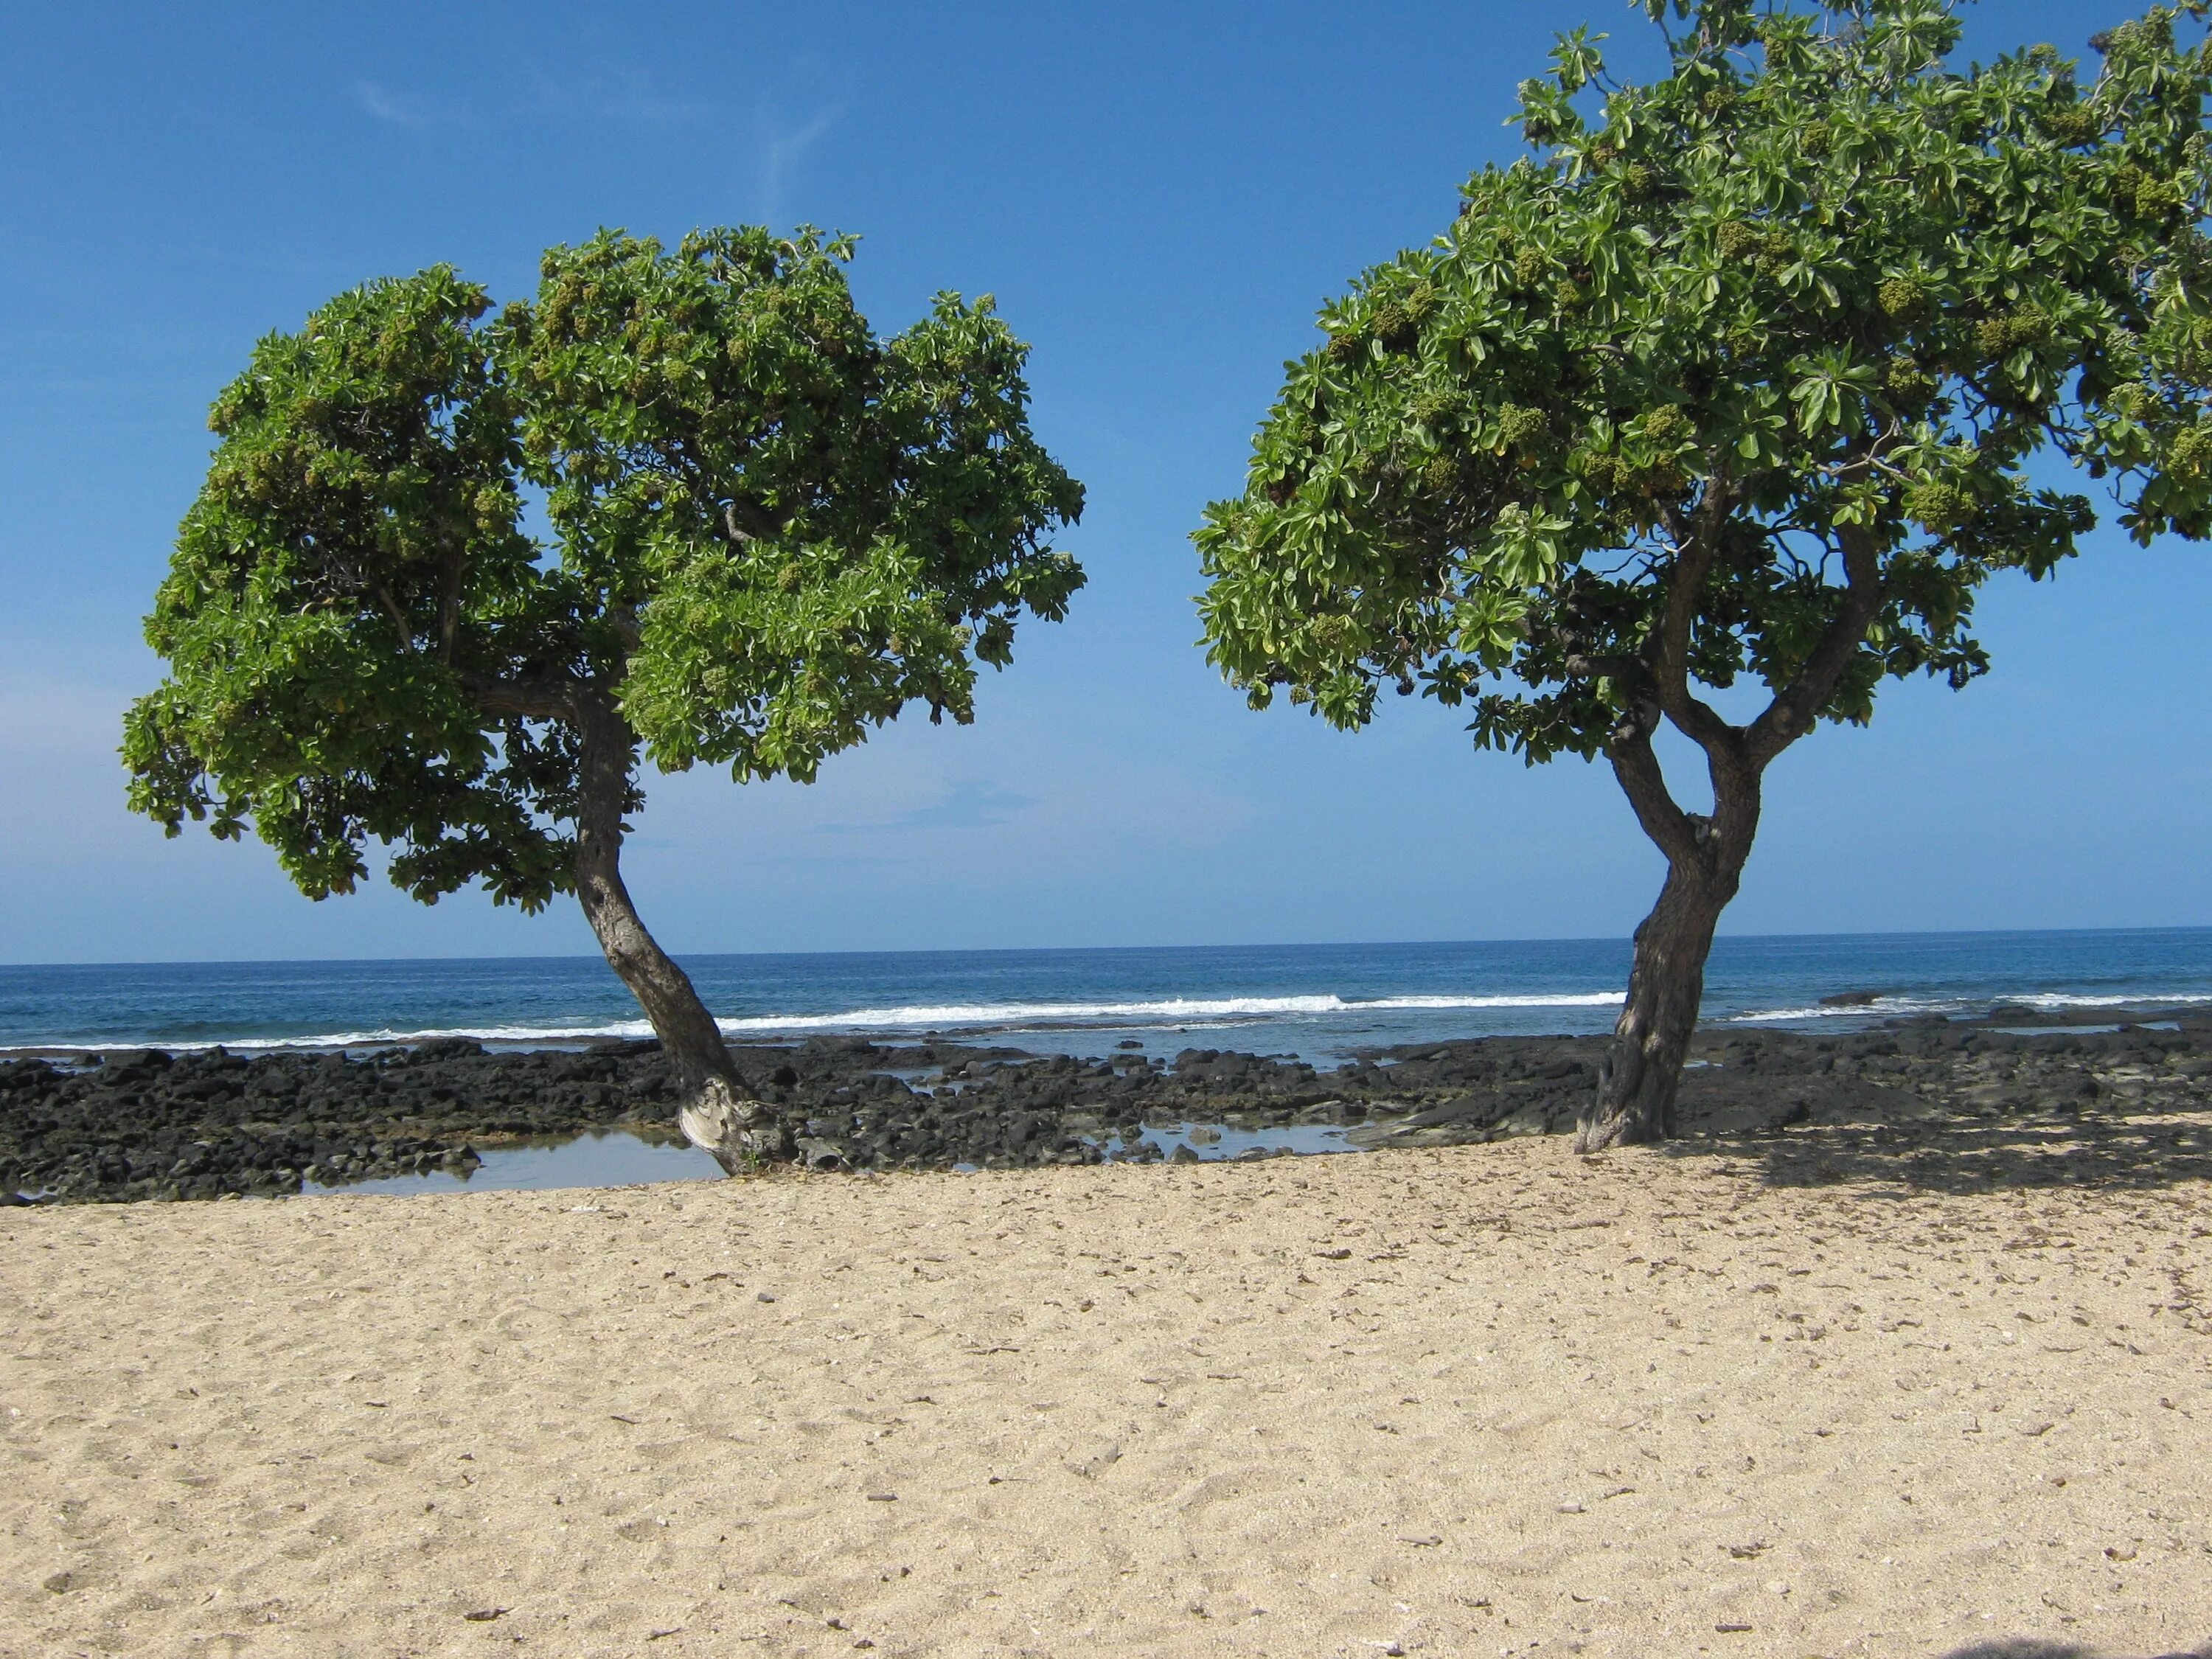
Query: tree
{"x": 769, "y": 531}
{"x": 1738, "y": 377}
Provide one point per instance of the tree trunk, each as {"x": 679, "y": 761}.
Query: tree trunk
{"x": 1635, "y": 1097}
{"x": 1635, "y": 1102}
{"x": 717, "y": 1111}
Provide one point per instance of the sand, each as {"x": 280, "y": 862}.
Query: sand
{"x": 1792, "y": 1397}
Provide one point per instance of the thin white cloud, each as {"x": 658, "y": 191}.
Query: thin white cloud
{"x": 395, "y": 108}
{"x": 969, "y": 804}
{"x": 629, "y": 96}
{"x": 782, "y": 149}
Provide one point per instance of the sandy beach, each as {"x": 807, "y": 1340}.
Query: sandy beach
{"x": 1810, "y": 1394}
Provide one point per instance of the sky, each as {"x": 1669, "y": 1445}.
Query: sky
{"x": 1161, "y": 195}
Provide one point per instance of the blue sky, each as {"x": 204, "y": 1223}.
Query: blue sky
{"x": 1161, "y": 195}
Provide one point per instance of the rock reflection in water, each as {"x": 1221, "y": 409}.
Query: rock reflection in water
{"x": 614, "y": 1158}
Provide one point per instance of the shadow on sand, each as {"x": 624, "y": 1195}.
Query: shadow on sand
{"x": 2088, "y": 1151}
{"x": 2091, "y": 1151}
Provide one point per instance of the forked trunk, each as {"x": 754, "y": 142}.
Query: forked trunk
{"x": 1637, "y": 1082}
{"x": 717, "y": 1111}
{"x": 1705, "y": 854}
{"x": 1635, "y": 1099}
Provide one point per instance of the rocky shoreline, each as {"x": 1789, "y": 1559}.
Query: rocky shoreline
{"x": 148, "y": 1125}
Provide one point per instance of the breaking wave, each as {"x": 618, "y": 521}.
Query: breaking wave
{"x": 1167, "y": 1011}
{"x": 1894, "y": 1007}
{"x": 966, "y": 1017}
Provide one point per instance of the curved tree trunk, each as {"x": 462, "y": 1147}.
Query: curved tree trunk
{"x": 1635, "y": 1102}
{"x": 718, "y": 1112}
{"x": 1636, "y": 1082}
{"x": 1705, "y": 856}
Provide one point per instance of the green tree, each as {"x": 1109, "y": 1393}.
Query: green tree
{"x": 1737, "y": 377}
{"x": 769, "y": 531}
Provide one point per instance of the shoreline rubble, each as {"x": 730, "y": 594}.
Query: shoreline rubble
{"x": 209, "y": 1124}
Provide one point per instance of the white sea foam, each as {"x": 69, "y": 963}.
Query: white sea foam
{"x": 1193, "y": 1012}
{"x": 1892, "y": 1006}
{"x": 928, "y": 1016}
{"x": 383, "y": 1038}
{"x": 2056, "y": 999}
{"x": 1168, "y": 1011}
{"x": 1887, "y": 1007}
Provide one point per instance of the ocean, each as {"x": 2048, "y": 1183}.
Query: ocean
{"x": 1318, "y": 1002}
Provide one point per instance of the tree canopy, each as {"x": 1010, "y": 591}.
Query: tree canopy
{"x": 691, "y": 481}
{"x": 1741, "y": 375}
{"x": 1816, "y": 290}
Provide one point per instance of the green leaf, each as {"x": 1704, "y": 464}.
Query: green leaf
{"x": 1816, "y": 282}
{"x": 771, "y": 531}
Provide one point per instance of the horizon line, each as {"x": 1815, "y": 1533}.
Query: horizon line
{"x": 1063, "y": 950}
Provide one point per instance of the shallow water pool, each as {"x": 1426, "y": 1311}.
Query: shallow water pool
{"x": 612, "y": 1158}
{"x": 616, "y": 1157}
{"x": 1218, "y": 1142}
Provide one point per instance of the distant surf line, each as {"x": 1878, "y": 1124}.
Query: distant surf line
{"x": 971, "y": 1018}
{"x": 1902, "y": 1004}
{"x": 974, "y": 1019}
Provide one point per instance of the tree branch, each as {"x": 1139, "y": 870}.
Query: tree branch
{"x": 1632, "y": 670}
{"x": 1791, "y": 715}
{"x": 535, "y": 699}
{"x": 1697, "y": 720}
{"x": 399, "y": 618}
{"x": 1628, "y": 745}
{"x": 449, "y": 603}
{"x": 746, "y": 523}
{"x": 622, "y": 618}
{"x": 1697, "y": 543}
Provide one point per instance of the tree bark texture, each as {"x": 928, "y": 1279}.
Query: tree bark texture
{"x": 1634, "y": 1103}
{"x": 1636, "y": 1082}
{"x": 1705, "y": 855}
{"x": 717, "y": 1110}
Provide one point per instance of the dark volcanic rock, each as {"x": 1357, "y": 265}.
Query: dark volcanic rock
{"x": 1755, "y": 1081}
{"x": 204, "y": 1125}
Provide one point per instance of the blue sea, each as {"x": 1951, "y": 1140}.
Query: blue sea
{"x": 1314, "y": 1001}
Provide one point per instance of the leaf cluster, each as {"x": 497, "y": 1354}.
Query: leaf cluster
{"x": 1810, "y": 303}
{"x": 769, "y": 531}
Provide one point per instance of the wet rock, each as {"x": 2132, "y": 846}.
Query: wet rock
{"x": 146, "y": 1125}
{"x": 1466, "y": 1109}
{"x": 1531, "y": 1120}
